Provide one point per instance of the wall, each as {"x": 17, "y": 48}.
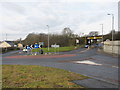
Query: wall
{"x": 112, "y": 47}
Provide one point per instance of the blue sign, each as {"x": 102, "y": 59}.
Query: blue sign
{"x": 36, "y": 46}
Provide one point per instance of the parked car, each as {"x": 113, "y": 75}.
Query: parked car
{"x": 25, "y": 50}
{"x": 95, "y": 45}
{"x": 86, "y": 46}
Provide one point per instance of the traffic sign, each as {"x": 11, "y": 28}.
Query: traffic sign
{"x": 55, "y": 46}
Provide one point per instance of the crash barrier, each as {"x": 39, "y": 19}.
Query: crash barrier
{"x": 112, "y": 47}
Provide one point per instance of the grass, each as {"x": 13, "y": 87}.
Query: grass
{"x": 60, "y": 49}
{"x": 31, "y": 76}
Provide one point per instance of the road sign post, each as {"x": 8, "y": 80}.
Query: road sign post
{"x": 55, "y": 46}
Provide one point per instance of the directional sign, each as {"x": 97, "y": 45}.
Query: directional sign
{"x": 77, "y": 41}
{"x": 55, "y": 46}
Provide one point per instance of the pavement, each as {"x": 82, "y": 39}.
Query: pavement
{"x": 94, "y": 83}
{"x": 10, "y": 53}
{"x": 102, "y": 69}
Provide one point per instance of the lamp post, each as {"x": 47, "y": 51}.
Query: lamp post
{"x": 112, "y": 25}
{"x": 48, "y": 36}
{"x": 6, "y": 36}
{"x": 102, "y": 32}
{"x": 112, "y": 29}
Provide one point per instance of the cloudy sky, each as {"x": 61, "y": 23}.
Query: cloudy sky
{"x": 18, "y": 18}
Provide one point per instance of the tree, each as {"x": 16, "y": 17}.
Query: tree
{"x": 66, "y": 39}
{"x": 116, "y": 35}
{"x": 93, "y": 33}
{"x": 67, "y": 31}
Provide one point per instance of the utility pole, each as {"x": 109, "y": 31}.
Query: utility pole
{"x": 6, "y": 36}
{"x": 112, "y": 29}
{"x": 6, "y": 40}
{"x": 112, "y": 25}
{"x": 48, "y": 37}
{"x": 102, "y": 32}
{"x": 20, "y": 40}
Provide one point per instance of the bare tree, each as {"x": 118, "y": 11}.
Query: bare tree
{"x": 93, "y": 33}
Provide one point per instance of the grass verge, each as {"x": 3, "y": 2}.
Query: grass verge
{"x": 31, "y": 76}
{"x": 60, "y": 49}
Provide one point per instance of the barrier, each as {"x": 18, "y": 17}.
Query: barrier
{"x": 112, "y": 47}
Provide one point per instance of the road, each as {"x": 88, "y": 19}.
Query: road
{"x": 103, "y": 69}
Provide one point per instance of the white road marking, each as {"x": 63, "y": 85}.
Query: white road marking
{"x": 115, "y": 66}
{"x": 87, "y": 62}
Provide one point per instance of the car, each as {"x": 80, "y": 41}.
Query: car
{"x": 95, "y": 45}
{"x": 86, "y": 46}
{"x": 24, "y": 50}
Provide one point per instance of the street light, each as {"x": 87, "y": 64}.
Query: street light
{"x": 112, "y": 28}
{"x": 112, "y": 24}
{"x": 102, "y": 32}
{"x": 48, "y": 36}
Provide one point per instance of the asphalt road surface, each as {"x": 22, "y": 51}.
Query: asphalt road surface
{"x": 102, "y": 68}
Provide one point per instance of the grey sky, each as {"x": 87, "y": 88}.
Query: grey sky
{"x": 19, "y": 18}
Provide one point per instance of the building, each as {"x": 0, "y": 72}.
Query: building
{"x": 6, "y": 44}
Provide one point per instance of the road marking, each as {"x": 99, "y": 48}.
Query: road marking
{"x": 115, "y": 66}
{"x": 87, "y": 62}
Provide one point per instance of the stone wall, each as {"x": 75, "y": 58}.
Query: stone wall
{"x": 112, "y": 47}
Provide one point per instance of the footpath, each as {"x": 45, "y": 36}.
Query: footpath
{"x": 11, "y": 53}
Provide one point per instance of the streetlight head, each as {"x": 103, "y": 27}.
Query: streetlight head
{"x": 108, "y": 14}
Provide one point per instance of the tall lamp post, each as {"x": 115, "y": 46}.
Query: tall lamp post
{"x": 102, "y": 32}
{"x": 48, "y": 36}
{"x": 112, "y": 24}
{"x": 112, "y": 28}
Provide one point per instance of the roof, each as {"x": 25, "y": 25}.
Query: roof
{"x": 5, "y": 44}
{"x": 10, "y": 42}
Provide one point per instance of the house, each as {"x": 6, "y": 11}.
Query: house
{"x": 6, "y": 44}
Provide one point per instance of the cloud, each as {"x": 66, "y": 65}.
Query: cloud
{"x": 59, "y": 0}
{"x": 21, "y": 18}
